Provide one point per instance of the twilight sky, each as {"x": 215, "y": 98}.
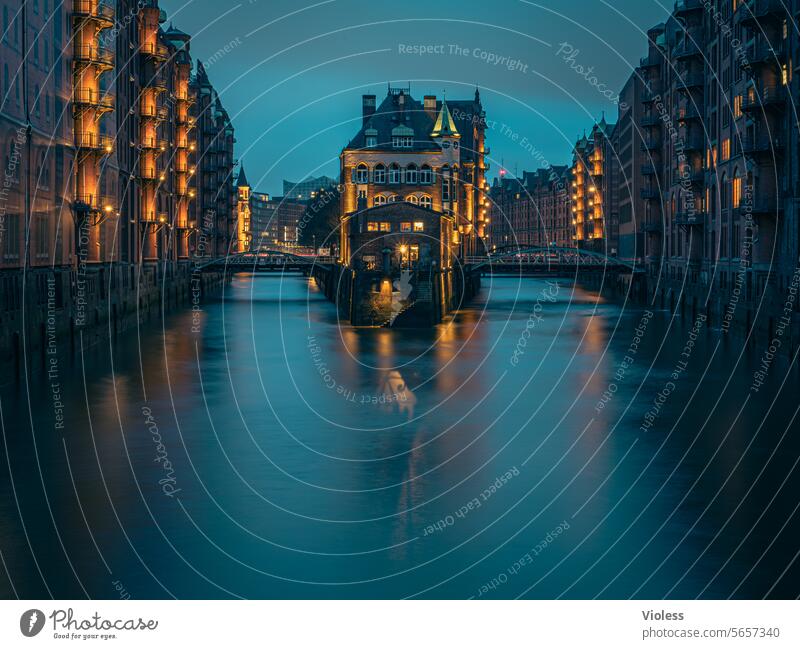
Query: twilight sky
{"x": 291, "y": 72}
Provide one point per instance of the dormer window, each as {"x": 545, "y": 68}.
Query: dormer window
{"x": 402, "y": 142}
{"x": 372, "y": 141}
{"x": 402, "y": 137}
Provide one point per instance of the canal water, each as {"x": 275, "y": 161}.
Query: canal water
{"x": 544, "y": 443}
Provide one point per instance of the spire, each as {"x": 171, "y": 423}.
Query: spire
{"x": 445, "y": 126}
{"x": 241, "y": 181}
{"x": 477, "y": 95}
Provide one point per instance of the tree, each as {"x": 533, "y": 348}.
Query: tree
{"x": 319, "y": 224}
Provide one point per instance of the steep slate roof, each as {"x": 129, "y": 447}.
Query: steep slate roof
{"x": 241, "y": 181}
{"x": 389, "y": 116}
{"x": 465, "y": 116}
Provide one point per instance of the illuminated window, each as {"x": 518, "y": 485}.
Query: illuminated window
{"x": 419, "y": 226}
{"x": 405, "y": 226}
{"x": 726, "y": 149}
{"x": 380, "y": 200}
{"x": 412, "y": 199}
{"x": 425, "y": 201}
{"x": 737, "y": 106}
{"x": 737, "y": 191}
{"x": 384, "y": 227}
{"x": 372, "y": 226}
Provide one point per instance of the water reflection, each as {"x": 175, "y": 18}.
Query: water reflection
{"x": 366, "y": 462}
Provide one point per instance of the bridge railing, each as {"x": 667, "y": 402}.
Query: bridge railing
{"x": 548, "y": 257}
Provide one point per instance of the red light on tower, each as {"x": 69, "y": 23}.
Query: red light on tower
{"x": 502, "y": 172}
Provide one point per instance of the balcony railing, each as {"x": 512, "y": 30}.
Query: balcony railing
{"x": 763, "y": 53}
{"x": 156, "y": 51}
{"x": 763, "y": 97}
{"x": 94, "y": 141}
{"x": 94, "y": 10}
{"x": 157, "y": 82}
{"x": 93, "y": 98}
{"x": 689, "y": 112}
{"x": 154, "y": 143}
{"x": 753, "y": 12}
{"x": 149, "y": 111}
{"x": 691, "y": 46}
{"x": 762, "y": 144}
{"x": 94, "y": 55}
{"x": 690, "y": 81}
{"x": 693, "y": 142}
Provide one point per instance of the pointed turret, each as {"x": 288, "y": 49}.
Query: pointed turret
{"x": 445, "y": 126}
{"x": 241, "y": 181}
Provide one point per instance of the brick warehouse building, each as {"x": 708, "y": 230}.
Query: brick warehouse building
{"x": 98, "y": 123}
{"x": 703, "y": 166}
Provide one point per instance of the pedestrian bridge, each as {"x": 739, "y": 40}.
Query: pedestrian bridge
{"x": 269, "y": 261}
{"x": 549, "y": 261}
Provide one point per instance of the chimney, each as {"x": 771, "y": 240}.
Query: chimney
{"x": 430, "y": 106}
{"x": 368, "y": 107}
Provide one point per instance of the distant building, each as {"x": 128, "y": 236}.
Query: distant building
{"x": 594, "y": 196}
{"x": 306, "y": 189}
{"x": 533, "y": 210}
{"x": 244, "y": 232}
{"x": 274, "y": 221}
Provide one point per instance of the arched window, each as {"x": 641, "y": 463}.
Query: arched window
{"x": 412, "y": 199}
{"x": 380, "y": 199}
{"x": 737, "y": 189}
{"x": 394, "y": 174}
{"x": 362, "y": 174}
{"x": 425, "y": 201}
{"x": 379, "y": 175}
{"x": 394, "y": 198}
{"x": 425, "y": 175}
{"x": 412, "y": 175}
